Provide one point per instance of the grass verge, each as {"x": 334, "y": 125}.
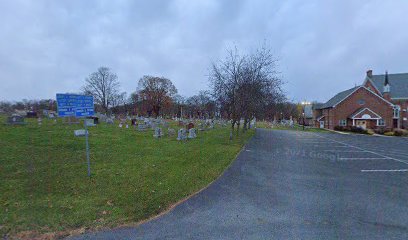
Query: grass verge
{"x": 45, "y": 189}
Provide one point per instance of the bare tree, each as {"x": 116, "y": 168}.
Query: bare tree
{"x": 201, "y": 105}
{"x": 244, "y": 85}
{"x": 224, "y": 78}
{"x": 118, "y": 99}
{"x": 156, "y": 92}
{"x": 103, "y": 85}
{"x": 178, "y": 106}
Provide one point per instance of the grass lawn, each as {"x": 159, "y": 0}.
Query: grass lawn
{"x": 44, "y": 185}
{"x": 263, "y": 124}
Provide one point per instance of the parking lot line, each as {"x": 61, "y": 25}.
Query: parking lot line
{"x": 384, "y": 170}
{"x": 342, "y": 151}
{"x": 362, "y": 158}
{"x": 378, "y": 154}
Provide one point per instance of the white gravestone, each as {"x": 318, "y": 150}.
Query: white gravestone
{"x": 158, "y": 132}
{"x": 192, "y": 133}
{"x": 142, "y": 127}
{"x": 181, "y": 134}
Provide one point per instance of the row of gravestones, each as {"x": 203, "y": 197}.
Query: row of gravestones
{"x": 181, "y": 135}
{"x": 148, "y": 123}
{"x": 19, "y": 120}
{"x": 143, "y": 126}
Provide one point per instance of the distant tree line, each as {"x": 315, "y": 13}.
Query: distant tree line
{"x": 242, "y": 87}
{"x": 30, "y": 105}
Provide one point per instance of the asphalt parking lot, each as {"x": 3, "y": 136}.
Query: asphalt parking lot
{"x": 295, "y": 185}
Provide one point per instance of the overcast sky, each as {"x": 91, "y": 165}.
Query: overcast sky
{"x": 323, "y": 46}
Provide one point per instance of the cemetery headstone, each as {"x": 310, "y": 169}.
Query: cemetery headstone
{"x": 101, "y": 117}
{"x": 94, "y": 119}
{"x": 15, "y": 120}
{"x": 181, "y": 134}
{"x": 158, "y": 132}
{"x": 89, "y": 122}
{"x": 120, "y": 125}
{"x": 142, "y": 127}
{"x": 192, "y": 133}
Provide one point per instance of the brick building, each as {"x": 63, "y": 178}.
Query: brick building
{"x": 380, "y": 102}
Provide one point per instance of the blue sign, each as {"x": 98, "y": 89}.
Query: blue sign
{"x": 74, "y": 105}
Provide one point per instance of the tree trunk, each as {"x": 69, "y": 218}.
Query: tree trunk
{"x": 244, "y": 128}
{"x": 232, "y": 125}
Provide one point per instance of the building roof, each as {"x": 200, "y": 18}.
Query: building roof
{"x": 339, "y": 97}
{"x": 317, "y": 106}
{"x": 398, "y": 84}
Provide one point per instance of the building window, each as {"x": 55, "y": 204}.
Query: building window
{"x": 397, "y": 111}
{"x": 381, "y": 122}
{"x": 361, "y": 101}
{"x": 343, "y": 122}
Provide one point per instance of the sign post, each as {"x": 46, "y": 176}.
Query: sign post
{"x": 74, "y": 105}
{"x": 87, "y": 149}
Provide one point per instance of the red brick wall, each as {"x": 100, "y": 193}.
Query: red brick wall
{"x": 316, "y": 114}
{"x": 404, "y": 105}
{"x": 351, "y": 105}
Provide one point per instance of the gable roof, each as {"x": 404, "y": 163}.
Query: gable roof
{"x": 369, "y": 80}
{"x": 361, "y": 110}
{"x": 339, "y": 97}
{"x": 398, "y": 84}
{"x": 320, "y": 118}
{"x": 317, "y": 106}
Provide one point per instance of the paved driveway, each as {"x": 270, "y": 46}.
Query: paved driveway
{"x": 295, "y": 185}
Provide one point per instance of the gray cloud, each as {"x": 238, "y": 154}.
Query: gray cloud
{"x": 324, "y": 46}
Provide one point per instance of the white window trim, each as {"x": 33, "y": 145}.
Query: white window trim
{"x": 397, "y": 109}
{"x": 362, "y": 110}
{"x": 378, "y": 122}
{"x": 343, "y": 122}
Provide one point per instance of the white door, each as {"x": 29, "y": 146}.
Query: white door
{"x": 362, "y": 124}
{"x": 321, "y": 124}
